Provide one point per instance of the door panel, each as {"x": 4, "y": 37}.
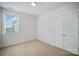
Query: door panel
{"x": 59, "y": 31}
{"x": 71, "y": 32}
{"x": 0, "y": 29}
{"x": 53, "y": 30}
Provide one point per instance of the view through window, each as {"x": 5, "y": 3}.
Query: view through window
{"x": 11, "y": 24}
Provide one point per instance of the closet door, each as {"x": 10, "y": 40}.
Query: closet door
{"x": 71, "y": 33}
{"x": 52, "y": 30}
{"x": 0, "y": 29}
{"x": 59, "y": 31}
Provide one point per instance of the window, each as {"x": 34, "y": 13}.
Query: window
{"x": 11, "y": 24}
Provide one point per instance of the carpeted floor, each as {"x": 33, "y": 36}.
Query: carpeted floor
{"x": 33, "y": 48}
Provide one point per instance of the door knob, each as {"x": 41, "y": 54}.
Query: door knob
{"x": 64, "y": 34}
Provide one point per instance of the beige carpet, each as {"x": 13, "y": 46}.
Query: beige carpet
{"x": 33, "y": 48}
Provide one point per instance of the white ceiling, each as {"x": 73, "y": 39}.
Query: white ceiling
{"x": 25, "y": 7}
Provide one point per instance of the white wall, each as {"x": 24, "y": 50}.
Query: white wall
{"x": 27, "y": 29}
{"x": 43, "y": 32}
{"x": 44, "y": 28}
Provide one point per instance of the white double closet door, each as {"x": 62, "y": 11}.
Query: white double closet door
{"x": 58, "y": 31}
{"x": 66, "y": 32}
{"x": 71, "y": 32}
{"x": 0, "y": 28}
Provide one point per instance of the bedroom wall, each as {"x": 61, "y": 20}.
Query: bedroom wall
{"x": 43, "y": 32}
{"x": 27, "y": 29}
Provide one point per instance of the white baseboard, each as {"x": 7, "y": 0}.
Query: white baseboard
{"x": 14, "y": 43}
